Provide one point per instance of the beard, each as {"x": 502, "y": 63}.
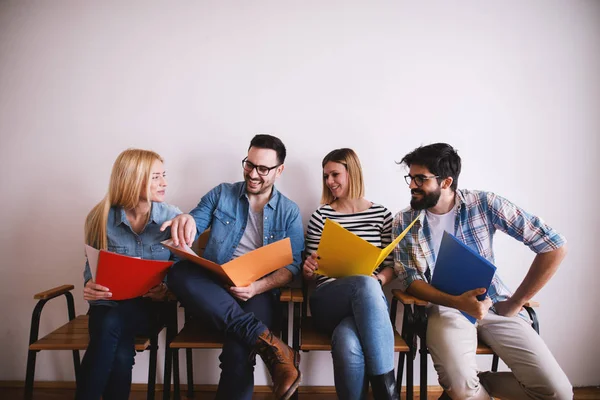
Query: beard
{"x": 427, "y": 200}
{"x": 264, "y": 186}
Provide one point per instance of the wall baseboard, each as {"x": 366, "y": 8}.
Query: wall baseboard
{"x": 142, "y": 387}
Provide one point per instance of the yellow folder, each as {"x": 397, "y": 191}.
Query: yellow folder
{"x": 342, "y": 253}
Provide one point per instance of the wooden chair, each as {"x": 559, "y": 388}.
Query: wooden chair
{"x": 74, "y": 336}
{"x": 195, "y": 335}
{"x": 308, "y": 338}
{"x": 420, "y": 328}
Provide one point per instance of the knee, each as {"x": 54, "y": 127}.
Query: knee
{"x": 367, "y": 284}
{"x": 178, "y": 274}
{"x": 124, "y": 359}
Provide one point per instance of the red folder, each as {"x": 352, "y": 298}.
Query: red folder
{"x": 129, "y": 277}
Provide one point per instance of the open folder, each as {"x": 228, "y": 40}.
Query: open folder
{"x": 342, "y": 253}
{"x": 126, "y": 277}
{"x": 243, "y": 270}
{"x": 459, "y": 269}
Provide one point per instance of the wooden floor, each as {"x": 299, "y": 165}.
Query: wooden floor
{"x": 56, "y": 394}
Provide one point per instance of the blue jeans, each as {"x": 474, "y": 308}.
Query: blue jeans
{"x": 108, "y": 361}
{"x": 354, "y": 311}
{"x": 204, "y": 297}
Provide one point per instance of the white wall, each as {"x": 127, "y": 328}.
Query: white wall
{"x": 514, "y": 85}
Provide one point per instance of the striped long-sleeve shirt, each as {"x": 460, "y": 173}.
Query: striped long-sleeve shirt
{"x": 478, "y": 216}
{"x": 373, "y": 224}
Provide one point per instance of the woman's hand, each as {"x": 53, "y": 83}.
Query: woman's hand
{"x": 310, "y": 266}
{"x": 158, "y": 292}
{"x": 93, "y": 291}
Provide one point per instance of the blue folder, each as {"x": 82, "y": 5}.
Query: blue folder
{"x": 459, "y": 269}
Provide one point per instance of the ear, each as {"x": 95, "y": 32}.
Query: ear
{"x": 446, "y": 183}
{"x": 279, "y": 170}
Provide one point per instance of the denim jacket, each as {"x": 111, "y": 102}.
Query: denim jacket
{"x": 123, "y": 240}
{"x": 225, "y": 210}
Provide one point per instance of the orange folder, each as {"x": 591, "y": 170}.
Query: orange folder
{"x": 129, "y": 277}
{"x": 244, "y": 270}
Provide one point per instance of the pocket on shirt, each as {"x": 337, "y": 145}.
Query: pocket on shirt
{"x": 119, "y": 249}
{"x": 160, "y": 252}
{"x": 276, "y": 235}
{"x": 222, "y": 226}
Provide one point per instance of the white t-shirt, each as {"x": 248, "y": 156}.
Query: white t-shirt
{"x": 438, "y": 223}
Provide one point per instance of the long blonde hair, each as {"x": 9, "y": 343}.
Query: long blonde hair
{"x": 349, "y": 159}
{"x": 130, "y": 178}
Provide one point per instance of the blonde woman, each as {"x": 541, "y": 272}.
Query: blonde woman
{"x": 353, "y": 309}
{"x": 127, "y": 221}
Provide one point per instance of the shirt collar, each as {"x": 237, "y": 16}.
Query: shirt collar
{"x": 121, "y": 218}
{"x": 272, "y": 201}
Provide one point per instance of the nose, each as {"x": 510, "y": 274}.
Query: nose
{"x": 254, "y": 174}
{"x": 329, "y": 181}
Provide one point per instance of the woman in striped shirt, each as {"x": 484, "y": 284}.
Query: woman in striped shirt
{"x": 353, "y": 309}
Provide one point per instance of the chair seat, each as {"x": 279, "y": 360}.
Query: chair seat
{"x": 312, "y": 339}
{"x": 483, "y": 348}
{"x": 74, "y": 336}
{"x": 195, "y": 336}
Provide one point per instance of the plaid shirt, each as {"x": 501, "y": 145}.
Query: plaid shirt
{"x": 478, "y": 216}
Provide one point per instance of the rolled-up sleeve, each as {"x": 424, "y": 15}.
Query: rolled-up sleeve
{"x": 524, "y": 227}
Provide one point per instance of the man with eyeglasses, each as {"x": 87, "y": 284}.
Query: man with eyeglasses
{"x": 473, "y": 217}
{"x": 243, "y": 216}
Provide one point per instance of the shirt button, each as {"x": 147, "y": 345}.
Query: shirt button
{"x": 271, "y": 236}
{"x": 227, "y": 222}
{"x": 266, "y": 237}
{"x": 265, "y": 217}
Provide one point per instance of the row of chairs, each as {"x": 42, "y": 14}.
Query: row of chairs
{"x": 74, "y": 336}
{"x": 194, "y": 335}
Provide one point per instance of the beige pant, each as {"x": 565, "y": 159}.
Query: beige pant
{"x": 452, "y": 341}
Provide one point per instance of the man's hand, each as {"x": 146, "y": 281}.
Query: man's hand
{"x": 468, "y": 303}
{"x": 243, "y": 293}
{"x": 183, "y": 229}
{"x": 93, "y": 291}
{"x": 310, "y": 266}
{"x": 158, "y": 292}
{"x": 507, "y": 308}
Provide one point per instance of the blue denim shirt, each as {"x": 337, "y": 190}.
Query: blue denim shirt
{"x": 225, "y": 210}
{"x": 123, "y": 240}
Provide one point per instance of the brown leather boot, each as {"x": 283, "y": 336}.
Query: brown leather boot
{"x": 282, "y": 362}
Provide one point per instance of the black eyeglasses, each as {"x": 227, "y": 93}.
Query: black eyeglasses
{"x": 260, "y": 169}
{"x": 418, "y": 179}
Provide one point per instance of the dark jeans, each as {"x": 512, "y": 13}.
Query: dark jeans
{"x": 108, "y": 361}
{"x": 204, "y": 297}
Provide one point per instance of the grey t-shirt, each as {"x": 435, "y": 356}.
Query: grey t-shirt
{"x": 252, "y": 237}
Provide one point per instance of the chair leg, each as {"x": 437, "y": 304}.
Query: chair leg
{"x": 495, "y": 360}
{"x": 400, "y": 372}
{"x": 152, "y": 367}
{"x": 176, "y": 383}
{"x": 170, "y": 335}
{"x": 410, "y": 378}
{"x": 31, "y": 358}
{"x": 76, "y": 365}
{"x": 190, "y": 373}
{"x": 423, "y": 371}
